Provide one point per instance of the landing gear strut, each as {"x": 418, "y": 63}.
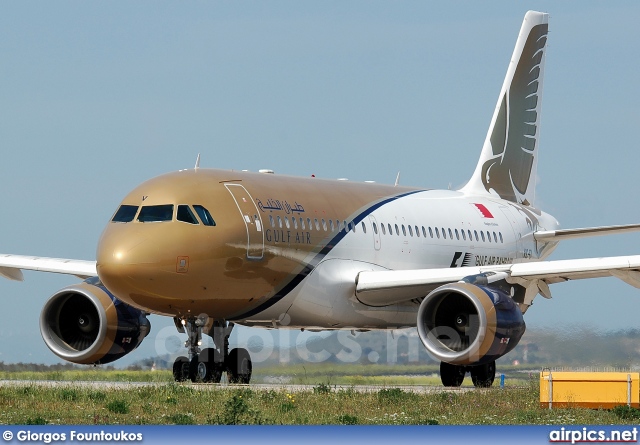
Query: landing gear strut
{"x": 481, "y": 375}
{"x": 207, "y": 365}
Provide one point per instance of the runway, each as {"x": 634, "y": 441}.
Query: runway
{"x": 418, "y": 389}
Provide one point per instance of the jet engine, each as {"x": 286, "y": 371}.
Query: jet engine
{"x": 470, "y": 324}
{"x": 86, "y": 324}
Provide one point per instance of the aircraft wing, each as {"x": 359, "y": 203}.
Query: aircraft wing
{"x": 11, "y": 266}
{"x": 382, "y": 288}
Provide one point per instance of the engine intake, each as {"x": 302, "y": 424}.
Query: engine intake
{"x": 85, "y": 323}
{"x": 468, "y": 324}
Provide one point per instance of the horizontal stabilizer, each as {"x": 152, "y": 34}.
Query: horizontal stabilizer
{"x": 558, "y": 235}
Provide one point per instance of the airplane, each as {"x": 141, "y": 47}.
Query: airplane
{"x": 217, "y": 248}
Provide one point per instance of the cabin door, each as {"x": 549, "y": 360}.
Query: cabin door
{"x": 252, "y": 220}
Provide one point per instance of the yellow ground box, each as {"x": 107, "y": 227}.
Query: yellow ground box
{"x": 589, "y": 389}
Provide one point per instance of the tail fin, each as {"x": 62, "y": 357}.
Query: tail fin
{"x": 508, "y": 163}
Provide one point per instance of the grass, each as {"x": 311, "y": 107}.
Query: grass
{"x": 185, "y": 404}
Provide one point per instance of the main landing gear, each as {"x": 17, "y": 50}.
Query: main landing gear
{"x": 208, "y": 364}
{"x": 481, "y": 375}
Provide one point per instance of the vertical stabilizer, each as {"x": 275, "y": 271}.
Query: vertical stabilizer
{"x": 509, "y": 159}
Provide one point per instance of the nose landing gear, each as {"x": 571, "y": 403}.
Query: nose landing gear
{"x": 207, "y": 365}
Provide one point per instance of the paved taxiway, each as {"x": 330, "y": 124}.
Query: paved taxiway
{"x": 419, "y": 389}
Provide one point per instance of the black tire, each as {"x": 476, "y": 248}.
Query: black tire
{"x": 197, "y": 370}
{"x": 214, "y": 365}
{"x": 181, "y": 369}
{"x": 483, "y": 375}
{"x": 451, "y": 375}
{"x": 239, "y": 366}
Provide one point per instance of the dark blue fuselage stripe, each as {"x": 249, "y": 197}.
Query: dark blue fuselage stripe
{"x": 318, "y": 257}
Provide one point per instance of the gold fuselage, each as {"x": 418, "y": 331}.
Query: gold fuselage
{"x": 179, "y": 269}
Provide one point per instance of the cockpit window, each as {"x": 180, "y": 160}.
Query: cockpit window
{"x": 125, "y": 214}
{"x": 204, "y": 215}
{"x": 185, "y": 214}
{"x": 156, "y": 213}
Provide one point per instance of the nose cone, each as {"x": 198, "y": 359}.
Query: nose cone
{"x": 137, "y": 263}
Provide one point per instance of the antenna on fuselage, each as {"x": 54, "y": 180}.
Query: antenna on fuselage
{"x": 197, "y": 162}
{"x": 397, "y": 180}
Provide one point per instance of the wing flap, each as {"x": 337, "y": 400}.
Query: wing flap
{"x": 11, "y": 266}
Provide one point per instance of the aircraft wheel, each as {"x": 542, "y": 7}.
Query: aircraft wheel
{"x": 197, "y": 370}
{"x": 181, "y": 369}
{"x": 483, "y": 375}
{"x": 239, "y": 366}
{"x": 451, "y": 375}
{"x": 213, "y": 372}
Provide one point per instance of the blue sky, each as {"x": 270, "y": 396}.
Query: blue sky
{"x": 96, "y": 97}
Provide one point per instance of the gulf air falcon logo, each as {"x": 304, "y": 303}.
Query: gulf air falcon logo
{"x": 514, "y": 136}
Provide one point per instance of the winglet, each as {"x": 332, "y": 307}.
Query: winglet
{"x": 508, "y": 163}
{"x": 197, "y": 162}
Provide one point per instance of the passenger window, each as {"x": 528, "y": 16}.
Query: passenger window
{"x": 424, "y": 233}
{"x": 375, "y": 228}
{"x": 470, "y": 237}
{"x": 271, "y": 221}
{"x": 444, "y": 234}
{"x": 324, "y": 225}
{"x": 417, "y": 232}
{"x": 279, "y": 222}
{"x": 390, "y": 230}
{"x": 295, "y": 222}
{"x": 185, "y": 214}
{"x": 464, "y": 237}
{"x": 302, "y": 224}
{"x": 397, "y": 231}
{"x": 337, "y": 225}
{"x": 331, "y": 224}
{"x": 488, "y": 236}
{"x": 384, "y": 232}
{"x": 353, "y": 226}
{"x": 410, "y": 231}
{"x": 204, "y": 215}
{"x": 125, "y": 214}
{"x": 364, "y": 228}
{"x": 457, "y": 235}
{"x": 317, "y": 224}
{"x": 309, "y": 224}
{"x": 346, "y": 227}
{"x": 482, "y": 235}
{"x": 404, "y": 231}
{"x": 437, "y": 233}
{"x": 156, "y": 213}
{"x": 495, "y": 238}
{"x": 286, "y": 222}
{"x": 430, "y": 232}
{"x": 501, "y": 240}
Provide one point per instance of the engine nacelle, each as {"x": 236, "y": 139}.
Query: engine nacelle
{"x": 469, "y": 324}
{"x": 86, "y": 324}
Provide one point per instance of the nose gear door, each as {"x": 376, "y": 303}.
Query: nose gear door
{"x": 252, "y": 220}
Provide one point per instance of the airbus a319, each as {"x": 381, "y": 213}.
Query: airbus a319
{"x": 216, "y": 248}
